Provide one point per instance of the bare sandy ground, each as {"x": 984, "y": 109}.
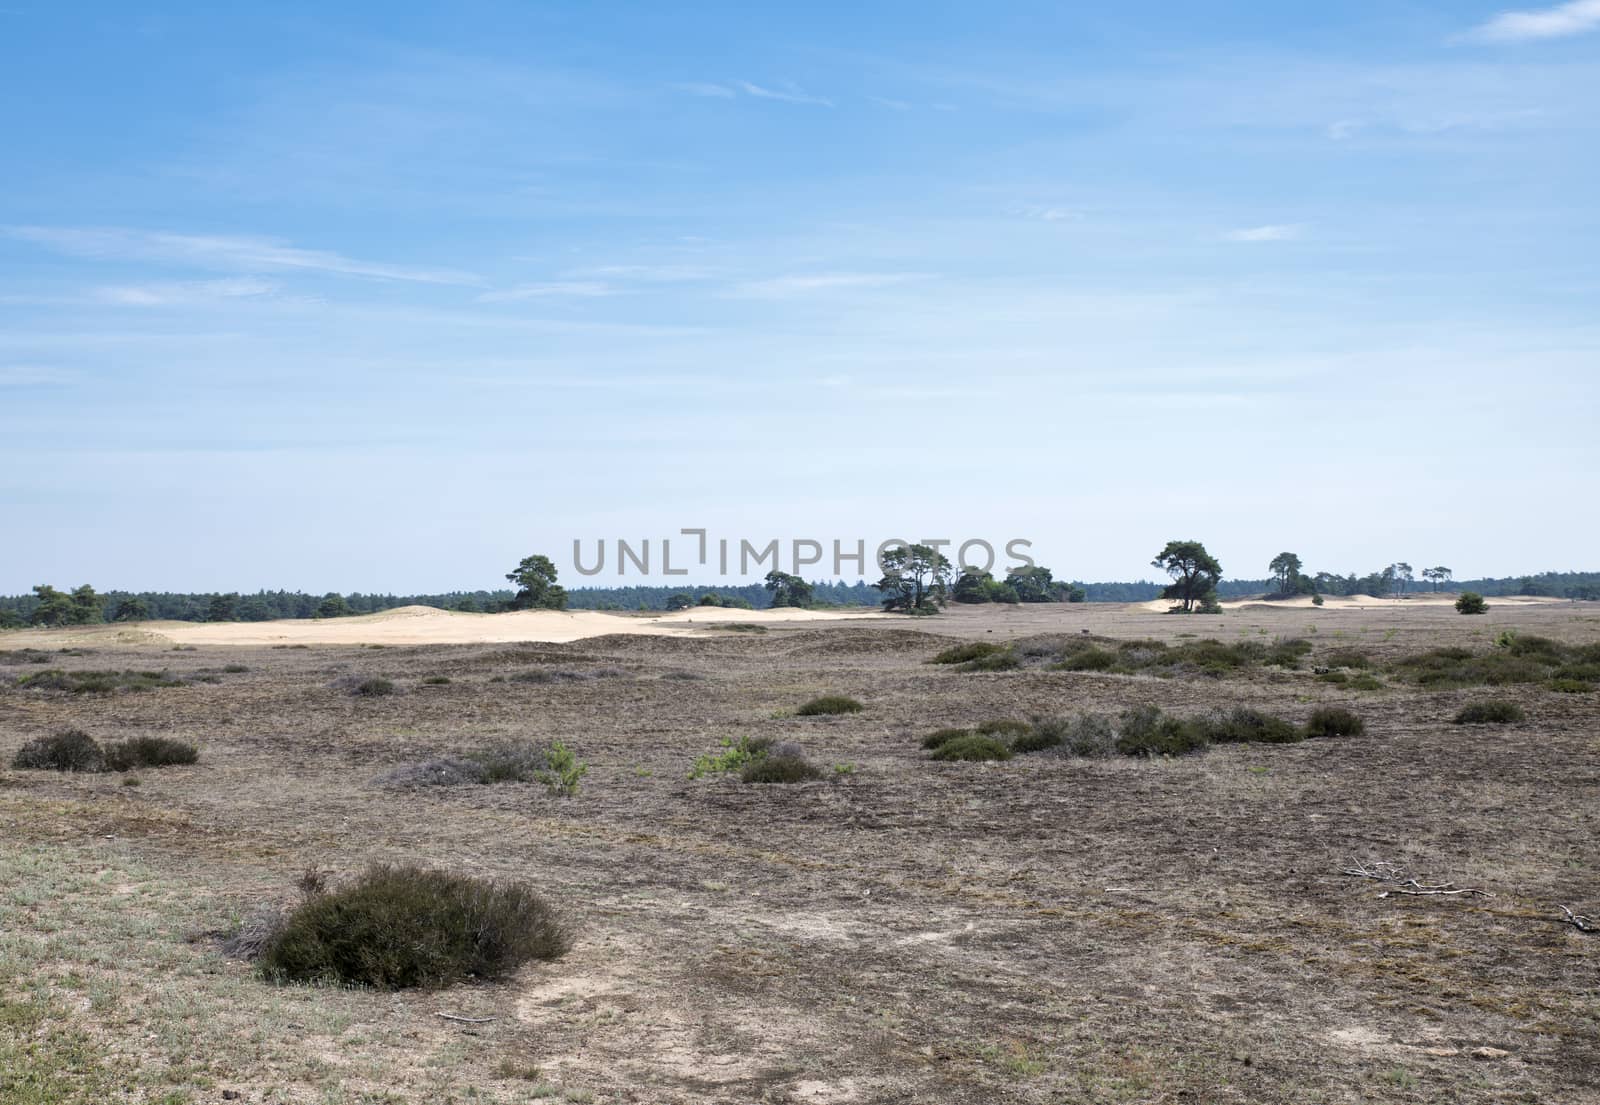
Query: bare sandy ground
{"x": 425, "y": 625}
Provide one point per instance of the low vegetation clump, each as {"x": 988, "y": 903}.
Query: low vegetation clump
{"x": 555, "y": 765}
{"x": 1571, "y": 686}
{"x": 1334, "y": 721}
{"x": 1004, "y": 660}
{"x": 941, "y": 737}
{"x": 137, "y": 752}
{"x": 436, "y": 681}
{"x": 1003, "y": 727}
{"x": 1243, "y": 725}
{"x": 1494, "y": 711}
{"x": 830, "y": 704}
{"x": 732, "y": 757}
{"x": 1470, "y": 602}
{"x": 972, "y": 747}
{"x": 1146, "y": 731}
{"x": 96, "y": 682}
{"x": 373, "y": 688}
{"x": 1516, "y": 658}
{"x": 67, "y": 750}
{"x": 76, "y": 751}
{"x": 1346, "y": 658}
{"x": 784, "y": 763}
{"x": 1205, "y": 657}
{"x": 401, "y": 927}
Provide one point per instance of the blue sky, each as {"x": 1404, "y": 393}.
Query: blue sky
{"x": 384, "y": 297}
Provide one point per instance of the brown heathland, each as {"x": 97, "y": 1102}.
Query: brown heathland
{"x": 1039, "y": 930}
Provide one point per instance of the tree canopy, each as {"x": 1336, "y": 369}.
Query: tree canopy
{"x": 535, "y": 578}
{"x": 1195, "y": 574}
{"x": 915, "y": 579}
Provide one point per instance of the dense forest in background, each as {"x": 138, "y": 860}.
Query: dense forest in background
{"x": 17, "y": 610}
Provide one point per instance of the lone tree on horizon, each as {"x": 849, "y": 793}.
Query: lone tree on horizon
{"x": 1285, "y": 568}
{"x": 1437, "y": 575}
{"x": 915, "y": 579}
{"x": 1195, "y": 574}
{"x": 535, "y": 578}
{"x": 788, "y": 590}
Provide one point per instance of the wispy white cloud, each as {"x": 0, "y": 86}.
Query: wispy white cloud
{"x": 1342, "y": 129}
{"x": 647, "y": 274}
{"x": 220, "y": 251}
{"x": 1575, "y": 18}
{"x": 705, "y": 88}
{"x": 185, "y": 293}
{"x": 1052, "y": 214}
{"x": 585, "y": 289}
{"x": 1282, "y": 232}
{"x": 789, "y": 94}
{"x": 786, "y": 287}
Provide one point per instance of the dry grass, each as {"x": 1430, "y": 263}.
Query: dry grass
{"x": 1054, "y": 927}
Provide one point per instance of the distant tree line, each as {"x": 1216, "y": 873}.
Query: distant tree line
{"x": 47, "y": 606}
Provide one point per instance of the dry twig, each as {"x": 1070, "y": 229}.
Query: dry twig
{"x": 1579, "y": 921}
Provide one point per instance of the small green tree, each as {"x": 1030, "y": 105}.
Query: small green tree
{"x": 1470, "y": 602}
{"x": 54, "y": 609}
{"x": 1195, "y": 574}
{"x": 223, "y": 608}
{"x": 1403, "y": 574}
{"x": 915, "y": 579}
{"x": 679, "y": 601}
{"x": 535, "y": 578}
{"x": 788, "y": 590}
{"x": 1437, "y": 575}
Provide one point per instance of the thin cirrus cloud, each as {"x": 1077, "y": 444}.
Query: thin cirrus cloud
{"x": 1281, "y": 232}
{"x": 1563, "y": 20}
{"x": 185, "y": 293}
{"x": 221, "y": 251}
{"x": 582, "y": 289}
{"x": 789, "y": 93}
{"x": 789, "y": 287}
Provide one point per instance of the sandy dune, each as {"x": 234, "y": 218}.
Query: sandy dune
{"x": 418, "y": 625}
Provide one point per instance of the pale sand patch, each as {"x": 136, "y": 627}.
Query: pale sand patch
{"x": 425, "y": 625}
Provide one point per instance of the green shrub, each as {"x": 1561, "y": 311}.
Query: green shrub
{"x": 733, "y": 757}
{"x": 399, "y": 927}
{"x": 1494, "y": 711}
{"x": 972, "y": 650}
{"x": 1003, "y": 727}
{"x": 1004, "y": 660}
{"x": 139, "y": 752}
{"x": 1146, "y": 731}
{"x": 1334, "y": 677}
{"x": 972, "y": 747}
{"x": 1334, "y": 721}
{"x": 830, "y": 704}
{"x": 1529, "y": 645}
{"x": 437, "y": 680}
{"x": 1243, "y": 725}
{"x": 234, "y": 669}
{"x": 1571, "y": 686}
{"x": 1048, "y": 733}
{"x": 1089, "y": 735}
{"x": 1365, "y": 682}
{"x": 780, "y": 769}
{"x": 563, "y": 770}
{"x": 1089, "y": 659}
{"x": 1471, "y": 602}
{"x": 372, "y": 688}
{"x": 942, "y": 736}
{"x": 67, "y": 750}
{"x": 96, "y": 682}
